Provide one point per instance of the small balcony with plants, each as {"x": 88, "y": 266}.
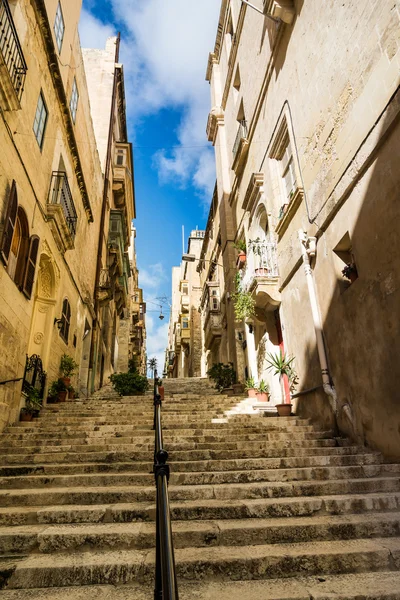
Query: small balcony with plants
{"x": 13, "y": 67}
{"x": 260, "y": 276}
{"x": 61, "y": 212}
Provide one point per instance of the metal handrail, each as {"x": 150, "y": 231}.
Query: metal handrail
{"x": 166, "y": 587}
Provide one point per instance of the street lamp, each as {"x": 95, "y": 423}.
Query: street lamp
{"x": 193, "y": 258}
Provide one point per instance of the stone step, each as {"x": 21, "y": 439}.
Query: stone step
{"x": 241, "y": 532}
{"x": 224, "y": 563}
{"x": 144, "y": 442}
{"x": 202, "y": 510}
{"x": 21, "y": 433}
{"x": 267, "y": 451}
{"x": 195, "y": 478}
{"x": 383, "y": 585}
{"x": 224, "y": 491}
{"x": 208, "y": 465}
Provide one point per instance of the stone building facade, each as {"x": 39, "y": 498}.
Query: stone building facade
{"x": 136, "y": 315}
{"x": 184, "y": 353}
{"x": 51, "y": 199}
{"x": 305, "y": 124}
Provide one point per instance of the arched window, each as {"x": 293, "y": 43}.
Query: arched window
{"x": 65, "y": 320}
{"x": 18, "y": 251}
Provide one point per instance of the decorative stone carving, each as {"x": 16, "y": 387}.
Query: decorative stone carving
{"x": 254, "y": 190}
{"x": 43, "y": 308}
{"x": 38, "y": 337}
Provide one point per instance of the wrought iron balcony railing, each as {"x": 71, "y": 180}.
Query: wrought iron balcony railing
{"x": 11, "y": 50}
{"x": 262, "y": 261}
{"x": 60, "y": 193}
{"x": 241, "y": 134}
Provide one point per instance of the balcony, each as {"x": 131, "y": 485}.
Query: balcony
{"x": 261, "y": 276}
{"x": 60, "y": 210}
{"x": 240, "y": 147}
{"x": 12, "y": 62}
{"x": 123, "y": 180}
{"x": 185, "y": 303}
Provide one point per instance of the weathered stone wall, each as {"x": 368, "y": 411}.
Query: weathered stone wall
{"x": 27, "y": 325}
{"x": 332, "y": 75}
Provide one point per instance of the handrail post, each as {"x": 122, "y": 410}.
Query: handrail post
{"x": 165, "y": 587}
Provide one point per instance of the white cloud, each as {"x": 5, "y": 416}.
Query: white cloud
{"x": 152, "y": 277}
{"x": 157, "y": 340}
{"x": 164, "y": 49}
{"x": 92, "y": 32}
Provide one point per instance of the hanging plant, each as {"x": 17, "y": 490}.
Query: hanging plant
{"x": 243, "y": 301}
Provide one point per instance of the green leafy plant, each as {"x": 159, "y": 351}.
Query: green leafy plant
{"x": 281, "y": 363}
{"x": 250, "y": 384}
{"x": 263, "y": 387}
{"x": 293, "y": 379}
{"x": 33, "y": 402}
{"x": 240, "y": 245}
{"x": 243, "y": 301}
{"x": 129, "y": 384}
{"x": 67, "y": 365}
{"x": 255, "y": 247}
{"x": 56, "y": 387}
{"x": 223, "y": 375}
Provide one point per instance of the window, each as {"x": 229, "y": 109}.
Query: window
{"x": 73, "y": 105}
{"x": 185, "y": 289}
{"x": 288, "y": 172}
{"x": 39, "y": 124}
{"x": 185, "y": 323}
{"x": 19, "y": 251}
{"x": 120, "y": 157}
{"x": 65, "y": 320}
{"x": 59, "y": 27}
{"x": 214, "y": 300}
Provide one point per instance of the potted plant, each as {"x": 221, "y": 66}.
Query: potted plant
{"x": 71, "y": 392}
{"x": 67, "y": 367}
{"x": 263, "y": 391}
{"x": 350, "y": 272}
{"x": 251, "y": 387}
{"x": 32, "y": 405}
{"x": 238, "y": 388}
{"x": 58, "y": 391}
{"x": 240, "y": 245}
{"x": 224, "y": 376}
{"x": 282, "y": 365}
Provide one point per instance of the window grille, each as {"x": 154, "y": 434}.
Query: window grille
{"x": 39, "y": 124}
{"x": 59, "y": 27}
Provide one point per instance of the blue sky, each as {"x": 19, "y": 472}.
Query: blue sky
{"x": 164, "y": 49}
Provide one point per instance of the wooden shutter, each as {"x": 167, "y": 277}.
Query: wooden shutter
{"x": 30, "y": 266}
{"x": 9, "y": 224}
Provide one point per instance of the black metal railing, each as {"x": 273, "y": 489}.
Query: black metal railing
{"x": 166, "y": 587}
{"x": 34, "y": 375}
{"x": 11, "y": 49}
{"x": 60, "y": 193}
{"x": 241, "y": 134}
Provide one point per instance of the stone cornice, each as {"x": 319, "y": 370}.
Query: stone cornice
{"x": 254, "y": 189}
{"x": 46, "y": 33}
{"x": 215, "y": 119}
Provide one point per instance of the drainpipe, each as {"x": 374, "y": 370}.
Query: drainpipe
{"x": 308, "y": 249}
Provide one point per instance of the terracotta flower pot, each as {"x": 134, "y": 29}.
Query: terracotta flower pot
{"x": 62, "y": 396}
{"x": 262, "y": 397}
{"x": 71, "y": 394}
{"x": 66, "y": 381}
{"x": 284, "y": 410}
{"x": 261, "y": 272}
{"x": 25, "y": 416}
{"x": 241, "y": 260}
{"x": 252, "y": 393}
{"x": 161, "y": 391}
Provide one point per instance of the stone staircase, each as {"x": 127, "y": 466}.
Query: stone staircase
{"x": 262, "y": 507}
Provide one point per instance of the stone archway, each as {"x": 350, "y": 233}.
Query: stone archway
{"x": 43, "y": 310}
